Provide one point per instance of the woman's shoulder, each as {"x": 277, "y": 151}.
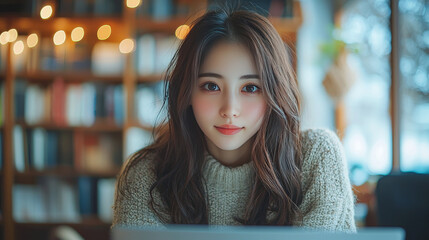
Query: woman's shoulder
{"x": 141, "y": 169}
{"x": 320, "y": 146}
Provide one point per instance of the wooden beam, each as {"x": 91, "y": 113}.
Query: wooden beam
{"x": 395, "y": 106}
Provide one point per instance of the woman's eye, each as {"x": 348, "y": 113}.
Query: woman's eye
{"x": 251, "y": 88}
{"x": 211, "y": 87}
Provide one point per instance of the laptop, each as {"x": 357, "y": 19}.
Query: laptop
{"x": 192, "y": 232}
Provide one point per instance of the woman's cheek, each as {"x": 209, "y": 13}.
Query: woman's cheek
{"x": 254, "y": 110}
{"x": 203, "y": 106}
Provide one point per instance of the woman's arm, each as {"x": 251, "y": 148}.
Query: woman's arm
{"x": 328, "y": 201}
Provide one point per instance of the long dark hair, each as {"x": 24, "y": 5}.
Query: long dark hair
{"x": 179, "y": 147}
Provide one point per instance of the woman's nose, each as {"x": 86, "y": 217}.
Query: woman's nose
{"x": 230, "y": 106}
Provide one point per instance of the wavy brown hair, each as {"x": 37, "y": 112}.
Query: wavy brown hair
{"x": 179, "y": 147}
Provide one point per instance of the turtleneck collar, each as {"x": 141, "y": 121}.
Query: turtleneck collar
{"x": 227, "y": 178}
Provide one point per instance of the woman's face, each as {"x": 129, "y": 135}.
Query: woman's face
{"x": 227, "y": 100}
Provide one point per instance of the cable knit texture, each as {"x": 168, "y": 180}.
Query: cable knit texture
{"x": 328, "y": 201}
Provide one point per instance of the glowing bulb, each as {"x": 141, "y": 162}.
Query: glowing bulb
{"x": 182, "y": 31}
{"x": 18, "y": 47}
{"x": 32, "y": 40}
{"x": 4, "y": 37}
{"x": 104, "y": 32}
{"x": 46, "y": 12}
{"x": 59, "y": 37}
{"x": 77, "y": 34}
{"x": 133, "y": 3}
{"x": 13, "y": 35}
{"x": 126, "y": 46}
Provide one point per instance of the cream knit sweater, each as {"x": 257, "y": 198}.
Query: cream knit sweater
{"x": 327, "y": 201}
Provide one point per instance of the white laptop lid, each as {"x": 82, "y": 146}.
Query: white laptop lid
{"x": 187, "y": 232}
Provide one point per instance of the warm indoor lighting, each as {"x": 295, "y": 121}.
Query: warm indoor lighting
{"x": 182, "y": 31}
{"x": 4, "y": 37}
{"x": 18, "y": 47}
{"x": 77, "y": 34}
{"x": 104, "y": 32}
{"x": 13, "y": 35}
{"x": 133, "y": 3}
{"x": 46, "y": 12}
{"x": 59, "y": 37}
{"x": 126, "y": 46}
{"x": 32, "y": 40}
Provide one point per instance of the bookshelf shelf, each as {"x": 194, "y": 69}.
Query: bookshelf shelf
{"x": 84, "y": 223}
{"x": 88, "y": 229}
{"x": 63, "y": 172}
{"x": 99, "y": 126}
{"x": 149, "y": 78}
{"x": 69, "y": 77}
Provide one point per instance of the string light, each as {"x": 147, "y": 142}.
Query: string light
{"x": 133, "y": 3}
{"x": 18, "y": 47}
{"x": 46, "y": 12}
{"x": 77, "y": 34}
{"x": 182, "y": 31}
{"x": 126, "y": 46}
{"x": 59, "y": 37}
{"x": 4, "y": 37}
{"x": 13, "y": 35}
{"x": 32, "y": 40}
{"x": 104, "y": 32}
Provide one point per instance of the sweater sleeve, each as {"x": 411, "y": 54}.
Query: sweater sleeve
{"x": 328, "y": 200}
{"x": 131, "y": 205}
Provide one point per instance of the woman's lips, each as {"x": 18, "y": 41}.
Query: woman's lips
{"x": 228, "y": 129}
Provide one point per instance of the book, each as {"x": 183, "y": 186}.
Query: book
{"x": 106, "y": 195}
{"x": 73, "y": 104}
{"x": 149, "y": 101}
{"x": 97, "y": 152}
{"x": 145, "y": 54}
{"x": 87, "y": 195}
{"x": 18, "y": 145}
{"x": 87, "y": 104}
{"x": 166, "y": 47}
{"x": 65, "y": 149}
{"x": 107, "y": 7}
{"x": 119, "y": 105}
{"x": 19, "y": 95}
{"x": 34, "y": 104}
{"x": 136, "y": 139}
{"x": 106, "y": 59}
{"x": 39, "y": 146}
{"x": 51, "y": 149}
{"x": 162, "y": 9}
{"x": 58, "y": 92}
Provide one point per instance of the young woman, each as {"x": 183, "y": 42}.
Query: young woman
{"x": 231, "y": 151}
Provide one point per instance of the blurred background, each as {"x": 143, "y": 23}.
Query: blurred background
{"x": 81, "y": 89}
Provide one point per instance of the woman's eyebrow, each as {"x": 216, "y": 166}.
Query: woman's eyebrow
{"x": 215, "y": 75}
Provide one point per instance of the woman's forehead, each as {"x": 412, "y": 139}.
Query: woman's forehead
{"x": 230, "y": 58}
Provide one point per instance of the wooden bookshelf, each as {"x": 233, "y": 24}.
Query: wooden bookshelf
{"x": 125, "y": 25}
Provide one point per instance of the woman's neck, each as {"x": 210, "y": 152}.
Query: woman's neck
{"x": 231, "y": 158}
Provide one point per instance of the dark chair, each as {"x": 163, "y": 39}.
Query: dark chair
{"x": 403, "y": 201}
